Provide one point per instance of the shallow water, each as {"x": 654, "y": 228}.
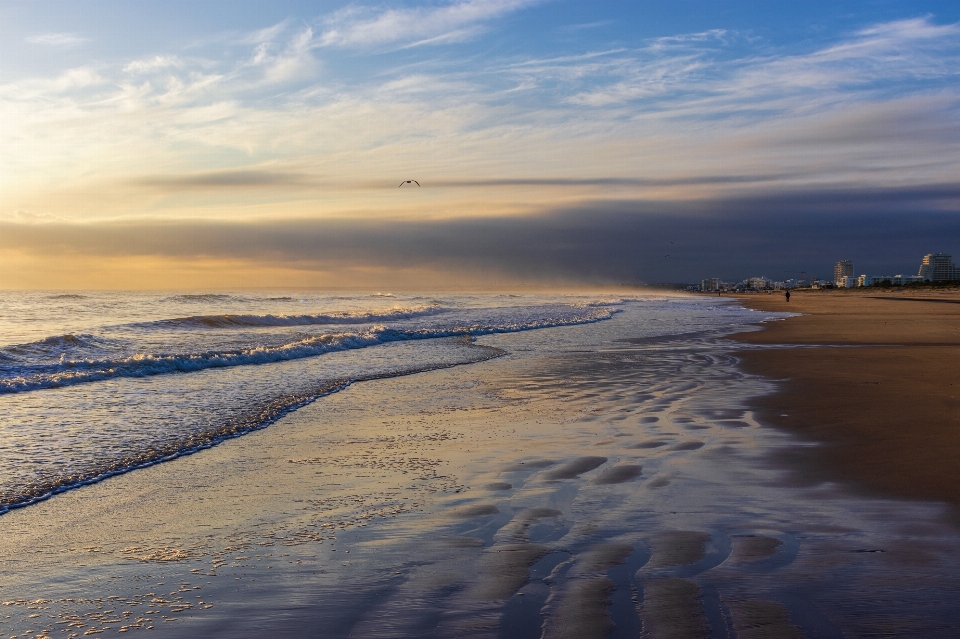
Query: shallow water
{"x": 100, "y": 383}
{"x": 585, "y": 484}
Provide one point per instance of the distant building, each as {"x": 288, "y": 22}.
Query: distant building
{"x": 842, "y": 269}
{"x": 848, "y": 281}
{"x": 713, "y": 284}
{"x": 893, "y": 280}
{"x": 938, "y": 267}
{"x": 757, "y": 283}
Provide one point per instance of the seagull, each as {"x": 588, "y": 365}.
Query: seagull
{"x": 408, "y": 182}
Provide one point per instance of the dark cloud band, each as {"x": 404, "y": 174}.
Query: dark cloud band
{"x": 624, "y": 242}
{"x": 270, "y": 179}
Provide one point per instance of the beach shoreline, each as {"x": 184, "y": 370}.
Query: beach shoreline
{"x": 874, "y": 379}
{"x": 597, "y": 481}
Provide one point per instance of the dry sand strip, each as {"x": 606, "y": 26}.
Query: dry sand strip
{"x": 888, "y": 410}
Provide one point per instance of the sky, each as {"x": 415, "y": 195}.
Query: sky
{"x": 222, "y": 145}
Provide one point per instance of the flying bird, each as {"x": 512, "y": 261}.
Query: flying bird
{"x": 408, "y": 182}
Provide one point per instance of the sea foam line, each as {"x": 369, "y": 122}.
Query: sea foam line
{"x": 73, "y": 372}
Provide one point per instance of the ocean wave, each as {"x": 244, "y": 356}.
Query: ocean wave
{"x": 68, "y": 372}
{"x": 617, "y": 301}
{"x": 200, "y": 297}
{"x": 54, "y": 346}
{"x": 247, "y": 321}
{"x": 67, "y": 296}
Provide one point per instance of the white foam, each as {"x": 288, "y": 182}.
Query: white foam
{"x": 66, "y": 372}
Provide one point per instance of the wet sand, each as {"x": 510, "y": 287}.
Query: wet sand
{"x": 882, "y": 395}
{"x": 598, "y": 488}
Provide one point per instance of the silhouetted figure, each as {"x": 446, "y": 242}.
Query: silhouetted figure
{"x": 787, "y": 295}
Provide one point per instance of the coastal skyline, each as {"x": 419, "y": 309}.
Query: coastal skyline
{"x": 173, "y": 146}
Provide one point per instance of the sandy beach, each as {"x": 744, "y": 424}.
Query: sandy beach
{"x": 588, "y": 483}
{"x": 882, "y": 395}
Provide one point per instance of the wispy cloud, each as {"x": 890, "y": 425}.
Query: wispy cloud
{"x": 690, "y": 116}
{"x": 57, "y": 39}
{"x": 871, "y": 59}
{"x": 711, "y": 35}
{"x": 583, "y": 26}
{"x": 71, "y": 82}
{"x": 366, "y": 27}
{"x": 267, "y": 34}
{"x": 155, "y": 63}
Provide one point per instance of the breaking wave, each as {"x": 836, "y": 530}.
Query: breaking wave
{"x": 69, "y": 372}
{"x": 246, "y": 321}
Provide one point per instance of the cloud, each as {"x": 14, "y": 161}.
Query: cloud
{"x": 46, "y": 90}
{"x": 278, "y": 123}
{"x": 295, "y": 62}
{"x": 29, "y": 217}
{"x": 268, "y": 34}
{"x": 364, "y": 27}
{"x": 718, "y": 35}
{"x": 57, "y": 39}
{"x": 231, "y": 179}
{"x": 610, "y": 181}
{"x": 624, "y": 242}
{"x": 688, "y": 65}
{"x": 155, "y": 63}
{"x": 583, "y": 26}
{"x": 278, "y": 178}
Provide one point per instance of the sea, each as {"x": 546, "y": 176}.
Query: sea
{"x": 95, "y": 384}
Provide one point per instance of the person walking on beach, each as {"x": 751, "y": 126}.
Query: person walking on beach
{"x": 787, "y": 294}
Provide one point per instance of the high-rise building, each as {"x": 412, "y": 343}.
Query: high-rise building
{"x": 758, "y": 283}
{"x": 938, "y": 267}
{"x": 712, "y": 284}
{"x": 843, "y": 268}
